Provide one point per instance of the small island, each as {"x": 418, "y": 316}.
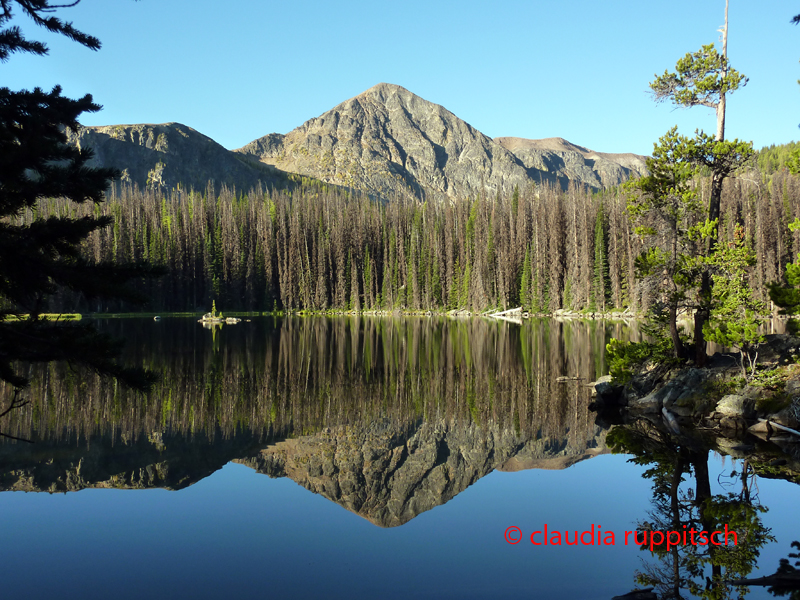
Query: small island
{"x": 215, "y": 318}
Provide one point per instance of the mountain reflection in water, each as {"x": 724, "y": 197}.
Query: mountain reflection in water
{"x": 386, "y": 417}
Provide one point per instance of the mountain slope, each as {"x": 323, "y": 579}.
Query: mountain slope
{"x": 576, "y": 163}
{"x": 389, "y": 473}
{"x": 170, "y": 154}
{"x": 387, "y": 140}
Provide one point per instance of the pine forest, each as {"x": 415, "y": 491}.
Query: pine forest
{"x": 319, "y": 248}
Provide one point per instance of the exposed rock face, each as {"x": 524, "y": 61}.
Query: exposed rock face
{"x": 168, "y": 155}
{"x": 384, "y": 471}
{"x": 387, "y": 140}
{"x": 389, "y": 475}
{"x": 569, "y": 162}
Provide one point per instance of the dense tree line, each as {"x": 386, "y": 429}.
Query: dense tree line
{"x": 773, "y": 158}
{"x": 321, "y": 248}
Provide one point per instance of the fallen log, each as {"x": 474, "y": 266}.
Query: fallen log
{"x": 773, "y": 424}
{"x": 509, "y": 312}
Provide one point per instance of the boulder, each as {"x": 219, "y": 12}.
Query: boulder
{"x": 649, "y": 404}
{"x": 736, "y": 424}
{"x": 604, "y": 387}
{"x": 734, "y": 405}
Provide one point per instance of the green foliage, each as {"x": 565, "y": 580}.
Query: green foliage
{"x": 700, "y": 79}
{"x": 741, "y": 516}
{"x": 772, "y": 379}
{"x": 665, "y": 207}
{"x": 668, "y": 213}
{"x": 525, "y": 281}
{"x": 40, "y": 258}
{"x": 715, "y": 389}
{"x": 793, "y": 163}
{"x": 625, "y": 359}
{"x": 736, "y": 315}
{"x": 721, "y": 157}
{"x": 774, "y": 158}
{"x": 601, "y": 281}
{"x": 463, "y": 301}
{"x": 787, "y": 295}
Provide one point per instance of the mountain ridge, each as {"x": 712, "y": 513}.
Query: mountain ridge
{"x": 385, "y": 141}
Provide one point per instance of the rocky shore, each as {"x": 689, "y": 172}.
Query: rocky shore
{"x": 717, "y": 397}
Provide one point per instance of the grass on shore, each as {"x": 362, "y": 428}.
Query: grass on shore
{"x": 47, "y": 317}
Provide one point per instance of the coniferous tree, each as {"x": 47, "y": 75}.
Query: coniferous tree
{"x": 40, "y": 258}
{"x": 704, "y": 78}
{"x": 601, "y": 281}
{"x": 525, "y": 283}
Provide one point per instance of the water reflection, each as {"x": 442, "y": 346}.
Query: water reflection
{"x": 695, "y": 561}
{"x": 387, "y": 417}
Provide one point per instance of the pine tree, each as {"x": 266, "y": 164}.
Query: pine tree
{"x": 704, "y": 78}
{"x": 524, "y": 287}
{"x": 735, "y": 319}
{"x": 464, "y": 300}
{"x": 601, "y": 281}
{"x": 42, "y": 257}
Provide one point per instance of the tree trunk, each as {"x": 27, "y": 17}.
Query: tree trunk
{"x": 673, "y": 331}
{"x": 702, "y": 313}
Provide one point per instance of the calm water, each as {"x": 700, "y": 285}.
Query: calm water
{"x": 361, "y": 458}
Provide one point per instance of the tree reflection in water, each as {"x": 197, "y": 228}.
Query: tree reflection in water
{"x": 387, "y": 417}
{"x": 300, "y": 375}
{"x": 701, "y": 570}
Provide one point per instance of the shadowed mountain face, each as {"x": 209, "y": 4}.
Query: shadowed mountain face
{"x": 388, "y": 418}
{"x": 385, "y": 141}
{"x": 569, "y": 162}
{"x": 389, "y": 474}
{"x": 153, "y": 461}
{"x": 170, "y": 155}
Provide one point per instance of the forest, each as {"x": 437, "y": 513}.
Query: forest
{"x": 320, "y": 248}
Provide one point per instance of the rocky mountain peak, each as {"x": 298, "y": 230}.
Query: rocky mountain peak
{"x": 168, "y": 155}
{"x": 386, "y": 141}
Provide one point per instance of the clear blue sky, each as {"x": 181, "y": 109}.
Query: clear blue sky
{"x": 580, "y": 70}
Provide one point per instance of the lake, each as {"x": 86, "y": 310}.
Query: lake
{"x": 370, "y": 458}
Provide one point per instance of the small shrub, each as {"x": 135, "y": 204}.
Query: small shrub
{"x": 715, "y": 389}
{"x": 626, "y": 358}
{"x": 771, "y": 379}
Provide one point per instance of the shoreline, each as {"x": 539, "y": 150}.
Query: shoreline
{"x": 716, "y": 398}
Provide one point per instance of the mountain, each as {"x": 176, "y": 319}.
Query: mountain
{"x": 385, "y": 471}
{"x": 389, "y": 474}
{"x": 168, "y": 155}
{"x": 575, "y": 163}
{"x": 385, "y": 141}
{"x": 388, "y": 140}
